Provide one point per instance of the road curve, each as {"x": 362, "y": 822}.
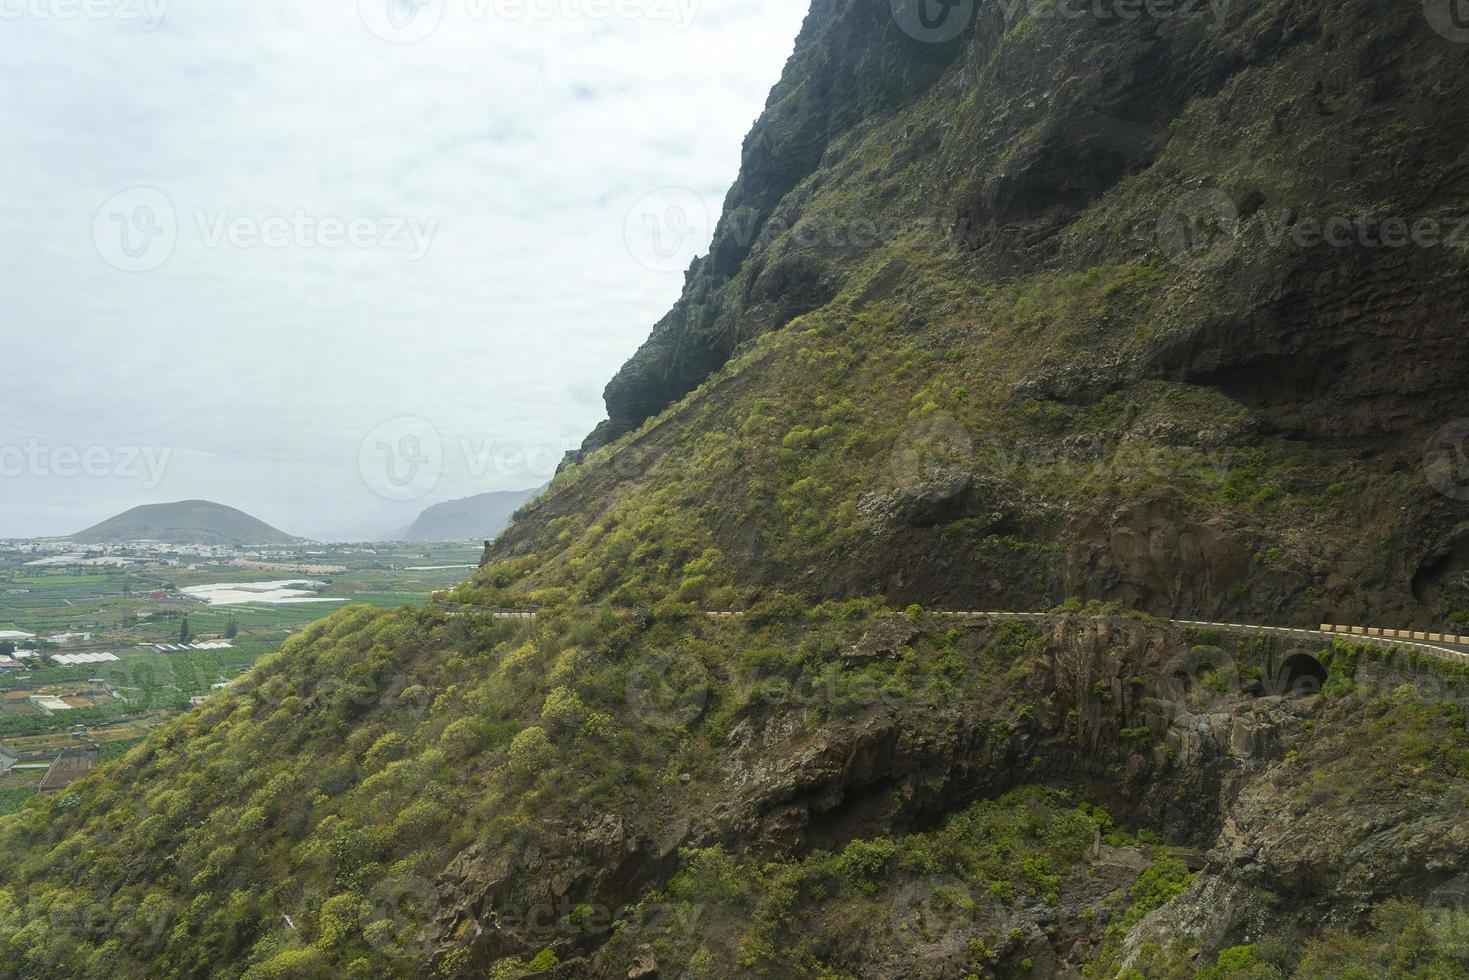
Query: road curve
{"x": 1449, "y": 648}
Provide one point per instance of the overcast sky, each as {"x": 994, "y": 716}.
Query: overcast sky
{"x": 332, "y": 262}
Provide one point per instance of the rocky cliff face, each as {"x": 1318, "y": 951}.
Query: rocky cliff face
{"x": 468, "y": 519}
{"x": 1058, "y": 308}
{"x": 1188, "y": 287}
{"x": 1255, "y": 116}
{"x": 1160, "y": 310}
{"x": 852, "y": 62}
{"x": 1226, "y": 753}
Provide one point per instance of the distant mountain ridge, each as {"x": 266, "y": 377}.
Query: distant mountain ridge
{"x": 185, "y": 522}
{"x": 468, "y": 519}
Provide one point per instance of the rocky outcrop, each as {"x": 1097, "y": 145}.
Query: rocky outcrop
{"x": 852, "y": 62}
{"x": 1167, "y": 734}
{"x": 1202, "y": 148}
{"x": 1156, "y": 554}
{"x": 884, "y": 641}
{"x": 505, "y": 896}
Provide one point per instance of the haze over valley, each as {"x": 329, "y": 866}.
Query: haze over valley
{"x": 260, "y": 358}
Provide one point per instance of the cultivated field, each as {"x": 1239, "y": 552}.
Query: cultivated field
{"x": 130, "y": 611}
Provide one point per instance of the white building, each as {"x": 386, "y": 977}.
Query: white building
{"x": 48, "y": 703}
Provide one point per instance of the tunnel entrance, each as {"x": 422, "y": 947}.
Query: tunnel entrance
{"x": 1301, "y": 674}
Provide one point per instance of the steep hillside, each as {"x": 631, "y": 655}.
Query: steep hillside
{"x": 469, "y": 519}
{"x": 853, "y": 62}
{"x": 802, "y": 792}
{"x": 184, "y": 522}
{"x": 1081, "y": 267}
{"x": 1031, "y": 317}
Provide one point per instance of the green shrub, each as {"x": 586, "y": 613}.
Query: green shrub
{"x": 546, "y": 959}
{"x": 530, "y": 751}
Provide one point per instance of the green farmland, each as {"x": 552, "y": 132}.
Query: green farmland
{"x": 131, "y": 610}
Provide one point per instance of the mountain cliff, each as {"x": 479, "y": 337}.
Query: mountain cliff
{"x": 469, "y": 519}
{"x": 1092, "y": 257}
{"x": 1108, "y": 310}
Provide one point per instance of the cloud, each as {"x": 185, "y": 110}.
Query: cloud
{"x": 271, "y": 337}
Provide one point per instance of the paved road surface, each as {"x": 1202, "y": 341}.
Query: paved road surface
{"x": 1444, "y": 649}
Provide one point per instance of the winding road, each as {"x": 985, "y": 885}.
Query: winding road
{"x": 1443, "y": 646}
